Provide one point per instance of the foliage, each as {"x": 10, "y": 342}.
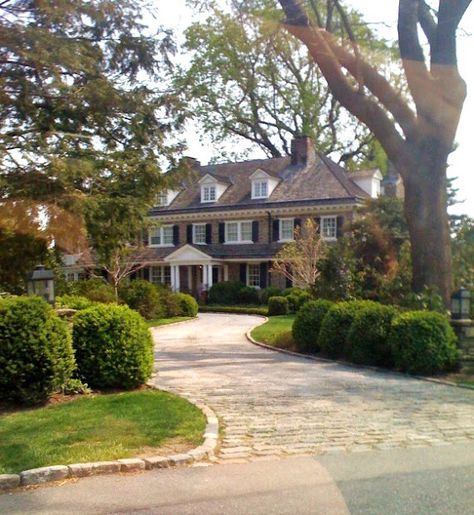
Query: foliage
{"x": 142, "y": 296}
{"x": 463, "y": 253}
{"x": 308, "y": 324}
{"x": 75, "y": 387}
{"x": 188, "y": 304}
{"x": 73, "y": 302}
{"x": 248, "y": 295}
{"x": 336, "y": 325}
{"x": 226, "y": 292}
{"x": 423, "y": 343}
{"x": 113, "y": 347}
{"x": 278, "y": 306}
{"x": 269, "y": 291}
{"x": 292, "y": 290}
{"x": 249, "y": 81}
{"x": 427, "y": 299}
{"x": 296, "y": 301}
{"x": 369, "y": 334}
{"x": 36, "y": 356}
{"x": 298, "y": 260}
{"x": 98, "y": 428}
{"x": 95, "y": 289}
{"x": 239, "y": 310}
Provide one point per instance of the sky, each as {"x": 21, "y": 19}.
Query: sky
{"x": 176, "y": 15}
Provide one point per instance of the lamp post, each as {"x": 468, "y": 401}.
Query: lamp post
{"x": 461, "y": 304}
{"x": 41, "y": 282}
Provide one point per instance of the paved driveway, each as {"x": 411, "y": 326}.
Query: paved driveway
{"x": 273, "y": 405}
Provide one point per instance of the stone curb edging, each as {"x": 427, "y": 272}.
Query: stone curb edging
{"x": 351, "y": 365}
{"x": 77, "y": 470}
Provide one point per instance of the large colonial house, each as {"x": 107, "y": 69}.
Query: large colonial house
{"x": 227, "y": 221}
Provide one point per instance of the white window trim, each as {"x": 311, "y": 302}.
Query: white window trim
{"x": 194, "y": 234}
{"x": 323, "y": 237}
{"x": 208, "y": 186}
{"x": 239, "y": 240}
{"x": 254, "y": 186}
{"x": 161, "y": 274}
{"x": 248, "y": 276}
{"x": 280, "y": 231}
{"x": 161, "y": 228}
{"x": 162, "y": 199}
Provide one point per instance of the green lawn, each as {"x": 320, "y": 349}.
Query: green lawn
{"x": 96, "y": 428}
{"x": 277, "y": 332}
{"x": 166, "y": 321}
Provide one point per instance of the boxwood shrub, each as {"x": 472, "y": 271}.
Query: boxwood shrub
{"x": 307, "y": 324}
{"x": 248, "y": 295}
{"x": 369, "y": 335}
{"x": 297, "y": 300}
{"x": 95, "y": 289}
{"x": 423, "y": 342}
{"x": 73, "y": 302}
{"x": 188, "y": 304}
{"x": 36, "y": 356}
{"x": 143, "y": 296}
{"x": 336, "y": 326}
{"x": 277, "y": 306}
{"x": 226, "y": 293}
{"x": 113, "y": 347}
{"x": 269, "y": 291}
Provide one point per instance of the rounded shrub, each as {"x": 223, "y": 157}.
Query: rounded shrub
{"x": 269, "y": 291}
{"x": 225, "y": 293}
{"x": 277, "y": 306}
{"x": 369, "y": 335}
{"x": 336, "y": 326}
{"x": 143, "y": 296}
{"x": 95, "y": 289}
{"x": 113, "y": 347}
{"x": 307, "y": 324}
{"x": 423, "y": 342}
{"x": 36, "y": 356}
{"x": 248, "y": 295}
{"x": 292, "y": 290}
{"x": 73, "y": 302}
{"x": 297, "y": 300}
{"x": 188, "y": 304}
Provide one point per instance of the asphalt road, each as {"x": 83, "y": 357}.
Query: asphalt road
{"x": 400, "y": 481}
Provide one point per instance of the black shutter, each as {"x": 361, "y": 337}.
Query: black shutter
{"x": 215, "y": 275}
{"x": 189, "y": 233}
{"x": 263, "y": 275}
{"x": 146, "y": 273}
{"x": 243, "y": 273}
{"x": 222, "y": 232}
{"x": 145, "y": 238}
{"x": 340, "y": 225}
{"x": 255, "y": 232}
{"x": 175, "y": 234}
{"x": 133, "y": 276}
{"x": 276, "y": 230}
{"x": 208, "y": 234}
{"x": 269, "y": 265}
{"x": 297, "y": 223}
{"x": 317, "y": 221}
{"x": 289, "y": 283}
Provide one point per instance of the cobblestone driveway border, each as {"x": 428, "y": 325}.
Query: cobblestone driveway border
{"x": 76, "y": 470}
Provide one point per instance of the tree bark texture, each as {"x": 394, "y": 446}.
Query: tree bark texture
{"x": 416, "y": 132}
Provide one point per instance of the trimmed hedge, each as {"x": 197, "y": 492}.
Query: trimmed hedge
{"x": 36, "y": 356}
{"x": 74, "y": 302}
{"x": 226, "y": 293}
{"x": 423, "y": 342}
{"x": 268, "y": 292}
{"x": 278, "y": 306}
{"x": 113, "y": 347}
{"x": 97, "y": 290}
{"x": 238, "y": 310}
{"x": 248, "y": 295}
{"x": 297, "y": 300}
{"x": 369, "y": 334}
{"x": 143, "y": 296}
{"x": 336, "y": 326}
{"x": 188, "y": 304}
{"x": 307, "y": 324}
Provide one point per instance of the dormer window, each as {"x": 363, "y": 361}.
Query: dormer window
{"x": 162, "y": 199}
{"x": 208, "y": 193}
{"x": 260, "y": 189}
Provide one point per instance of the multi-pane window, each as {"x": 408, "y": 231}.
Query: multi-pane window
{"x": 162, "y": 199}
{"x": 208, "y": 193}
{"x": 260, "y": 189}
{"x": 238, "y": 232}
{"x": 161, "y": 236}
{"x": 160, "y": 274}
{"x": 329, "y": 227}
{"x": 287, "y": 227}
{"x": 199, "y": 234}
{"x": 253, "y": 275}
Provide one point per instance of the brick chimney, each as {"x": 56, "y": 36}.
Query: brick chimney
{"x": 302, "y": 150}
{"x": 191, "y": 162}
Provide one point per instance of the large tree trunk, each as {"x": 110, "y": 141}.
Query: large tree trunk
{"x": 427, "y": 218}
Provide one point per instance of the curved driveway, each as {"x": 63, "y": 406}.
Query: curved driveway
{"x": 273, "y": 404}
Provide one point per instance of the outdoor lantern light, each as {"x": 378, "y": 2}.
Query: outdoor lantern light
{"x": 460, "y": 304}
{"x": 41, "y": 283}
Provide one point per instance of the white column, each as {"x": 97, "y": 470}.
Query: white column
{"x": 173, "y": 278}
{"x": 209, "y": 277}
{"x": 226, "y": 272}
{"x": 177, "y": 278}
